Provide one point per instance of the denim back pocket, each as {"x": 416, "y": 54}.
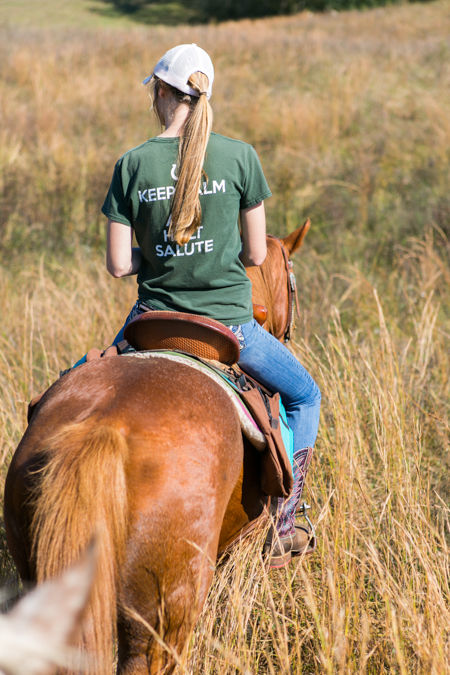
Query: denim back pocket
{"x": 237, "y": 330}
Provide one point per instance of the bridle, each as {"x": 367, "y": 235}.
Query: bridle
{"x": 286, "y": 333}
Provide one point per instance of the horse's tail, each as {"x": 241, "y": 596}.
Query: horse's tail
{"x": 83, "y": 491}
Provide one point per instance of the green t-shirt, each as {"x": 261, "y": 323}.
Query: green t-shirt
{"x": 205, "y": 276}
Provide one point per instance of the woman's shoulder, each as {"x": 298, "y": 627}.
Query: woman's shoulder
{"x": 146, "y": 149}
{"x": 230, "y": 147}
{"x": 218, "y": 139}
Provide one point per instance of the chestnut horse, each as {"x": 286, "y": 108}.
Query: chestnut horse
{"x": 150, "y": 454}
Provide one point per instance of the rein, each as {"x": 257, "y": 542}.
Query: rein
{"x": 292, "y": 294}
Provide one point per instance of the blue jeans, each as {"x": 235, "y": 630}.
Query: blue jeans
{"x": 134, "y": 312}
{"x": 272, "y": 364}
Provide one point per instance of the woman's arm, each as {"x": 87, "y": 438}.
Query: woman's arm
{"x": 122, "y": 259}
{"x": 253, "y": 226}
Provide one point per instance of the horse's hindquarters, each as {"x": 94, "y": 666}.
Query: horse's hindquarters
{"x": 180, "y": 448}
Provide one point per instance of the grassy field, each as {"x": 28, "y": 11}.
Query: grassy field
{"x": 350, "y": 115}
{"x": 85, "y": 14}
{"x": 89, "y": 14}
{"x": 348, "y": 112}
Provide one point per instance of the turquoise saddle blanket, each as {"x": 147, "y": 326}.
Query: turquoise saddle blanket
{"x": 287, "y": 434}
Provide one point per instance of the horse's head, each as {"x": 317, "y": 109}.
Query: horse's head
{"x": 273, "y": 282}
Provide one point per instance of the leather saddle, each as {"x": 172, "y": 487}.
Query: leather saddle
{"x": 191, "y": 333}
{"x": 197, "y": 335}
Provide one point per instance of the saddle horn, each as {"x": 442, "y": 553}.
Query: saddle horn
{"x": 259, "y": 313}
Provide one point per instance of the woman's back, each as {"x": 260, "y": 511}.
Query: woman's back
{"x": 204, "y": 276}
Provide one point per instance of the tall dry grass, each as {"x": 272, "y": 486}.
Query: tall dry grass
{"x": 375, "y": 595}
{"x": 350, "y": 116}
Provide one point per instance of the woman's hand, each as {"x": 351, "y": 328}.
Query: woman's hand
{"x": 122, "y": 259}
{"x": 253, "y": 226}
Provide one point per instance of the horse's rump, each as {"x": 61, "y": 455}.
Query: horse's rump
{"x": 151, "y": 454}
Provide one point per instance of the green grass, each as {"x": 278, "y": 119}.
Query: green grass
{"x": 126, "y": 13}
{"x": 59, "y": 13}
{"x": 93, "y": 14}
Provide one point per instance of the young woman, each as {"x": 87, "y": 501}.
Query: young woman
{"x": 181, "y": 193}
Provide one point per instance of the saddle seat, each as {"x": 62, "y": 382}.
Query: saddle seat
{"x": 191, "y": 333}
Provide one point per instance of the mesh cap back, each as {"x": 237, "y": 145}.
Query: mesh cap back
{"x": 178, "y": 64}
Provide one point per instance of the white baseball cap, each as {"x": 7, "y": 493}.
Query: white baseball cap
{"x": 178, "y": 64}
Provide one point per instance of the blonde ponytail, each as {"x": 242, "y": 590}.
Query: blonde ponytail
{"x": 186, "y": 211}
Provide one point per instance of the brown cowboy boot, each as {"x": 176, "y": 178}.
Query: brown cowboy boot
{"x": 278, "y": 549}
{"x": 303, "y": 541}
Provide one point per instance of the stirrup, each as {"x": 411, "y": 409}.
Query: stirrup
{"x": 302, "y": 511}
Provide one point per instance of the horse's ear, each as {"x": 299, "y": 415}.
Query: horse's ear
{"x": 294, "y": 240}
